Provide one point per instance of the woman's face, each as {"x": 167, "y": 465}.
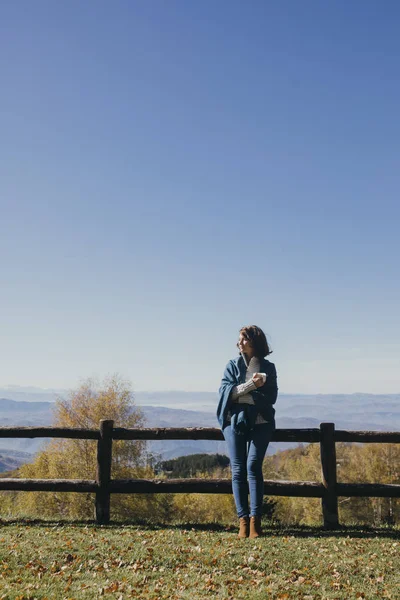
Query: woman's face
{"x": 245, "y": 346}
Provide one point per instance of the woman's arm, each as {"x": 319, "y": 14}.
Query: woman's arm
{"x": 268, "y": 393}
{"x": 242, "y": 389}
{"x": 228, "y": 382}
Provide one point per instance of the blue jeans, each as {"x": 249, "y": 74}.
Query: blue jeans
{"x": 246, "y": 453}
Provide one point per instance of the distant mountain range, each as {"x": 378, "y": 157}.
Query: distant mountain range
{"x": 191, "y": 409}
{"x": 35, "y": 414}
{"x": 12, "y": 459}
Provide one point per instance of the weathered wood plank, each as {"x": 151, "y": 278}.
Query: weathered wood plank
{"x": 387, "y": 437}
{"x": 195, "y": 433}
{"x": 212, "y": 486}
{"x": 55, "y": 432}
{"x": 207, "y": 433}
{"x": 216, "y": 486}
{"x": 103, "y": 472}
{"x": 48, "y": 485}
{"x": 371, "y": 490}
{"x": 328, "y": 466}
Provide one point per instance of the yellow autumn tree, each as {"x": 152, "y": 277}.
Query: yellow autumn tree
{"x": 298, "y": 464}
{"x": 369, "y": 463}
{"x": 206, "y": 508}
{"x": 356, "y": 463}
{"x": 76, "y": 459}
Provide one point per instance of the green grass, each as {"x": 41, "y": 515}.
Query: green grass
{"x": 62, "y": 560}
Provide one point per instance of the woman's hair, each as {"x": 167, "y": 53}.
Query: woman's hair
{"x": 258, "y": 340}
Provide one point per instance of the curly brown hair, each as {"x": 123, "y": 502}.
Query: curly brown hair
{"x": 258, "y": 340}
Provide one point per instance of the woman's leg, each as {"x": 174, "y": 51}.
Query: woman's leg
{"x": 237, "y": 454}
{"x": 260, "y": 438}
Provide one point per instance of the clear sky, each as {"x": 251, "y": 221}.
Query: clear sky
{"x": 171, "y": 171}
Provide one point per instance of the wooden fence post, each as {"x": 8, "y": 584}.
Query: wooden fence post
{"x": 329, "y": 480}
{"x": 103, "y": 472}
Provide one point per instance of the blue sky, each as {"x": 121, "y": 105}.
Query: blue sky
{"x": 171, "y": 171}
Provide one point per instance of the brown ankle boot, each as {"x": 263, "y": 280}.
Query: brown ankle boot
{"x": 255, "y": 527}
{"x": 243, "y": 527}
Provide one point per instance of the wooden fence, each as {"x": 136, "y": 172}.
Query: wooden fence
{"x": 103, "y": 486}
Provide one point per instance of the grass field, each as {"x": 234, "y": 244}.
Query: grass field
{"x": 61, "y": 560}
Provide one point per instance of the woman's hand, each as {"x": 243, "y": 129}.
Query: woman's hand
{"x": 258, "y": 379}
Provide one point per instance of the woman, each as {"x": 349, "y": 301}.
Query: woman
{"x": 247, "y": 419}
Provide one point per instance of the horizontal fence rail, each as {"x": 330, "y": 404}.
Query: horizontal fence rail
{"x": 48, "y": 485}
{"x": 103, "y": 486}
{"x": 50, "y": 432}
{"x": 213, "y": 486}
{"x": 208, "y": 433}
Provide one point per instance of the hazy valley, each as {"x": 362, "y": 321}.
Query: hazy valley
{"x": 34, "y": 407}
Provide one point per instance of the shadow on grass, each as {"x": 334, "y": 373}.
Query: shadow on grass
{"x": 270, "y": 529}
